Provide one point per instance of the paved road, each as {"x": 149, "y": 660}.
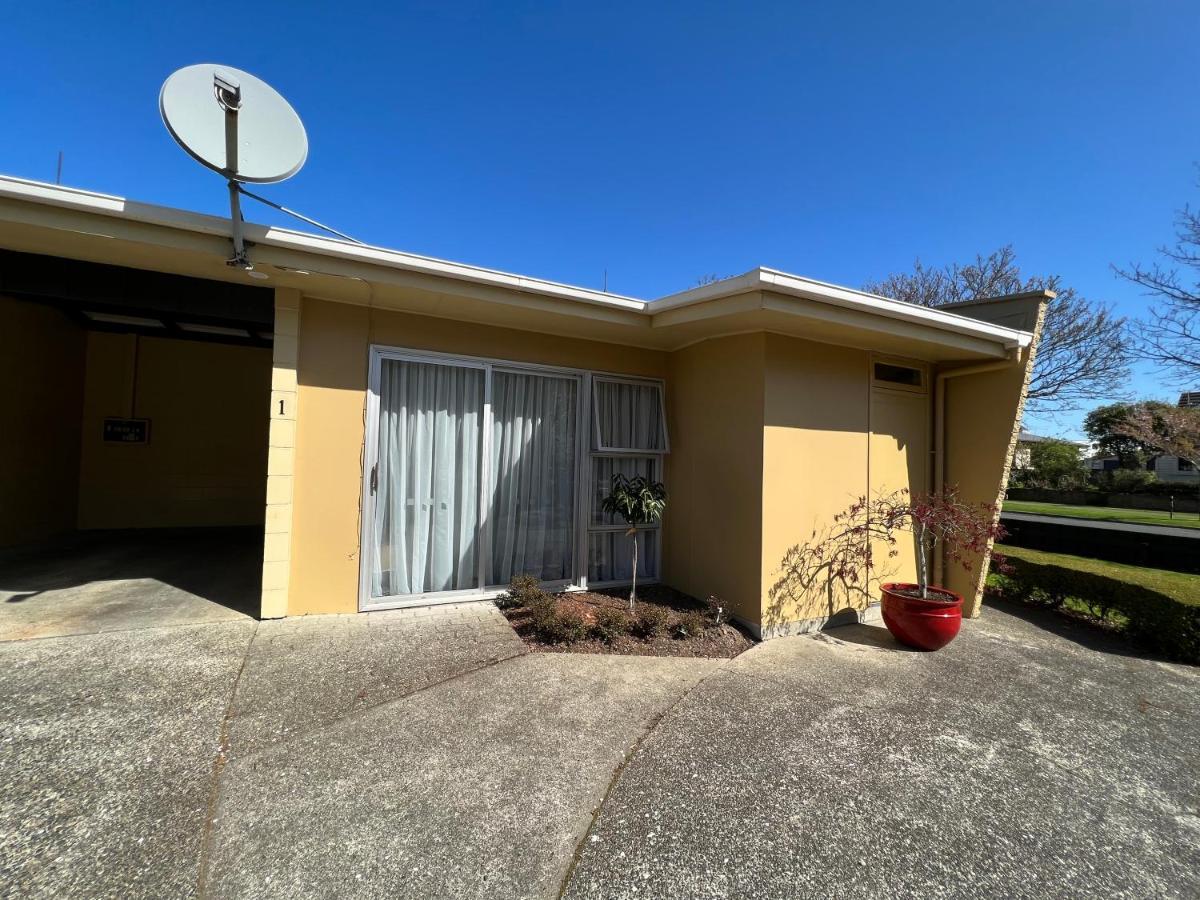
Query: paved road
{"x": 1193, "y": 533}
{"x": 406, "y": 754}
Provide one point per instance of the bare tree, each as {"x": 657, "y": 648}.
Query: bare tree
{"x": 1173, "y": 430}
{"x": 1084, "y": 353}
{"x": 1170, "y": 335}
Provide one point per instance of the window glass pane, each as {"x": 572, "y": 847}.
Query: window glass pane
{"x": 426, "y": 527}
{"x": 630, "y": 416}
{"x": 603, "y": 469}
{"x": 610, "y": 555}
{"x": 898, "y": 374}
{"x": 532, "y": 518}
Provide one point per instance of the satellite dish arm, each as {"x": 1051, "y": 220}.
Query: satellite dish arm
{"x": 229, "y": 96}
{"x": 235, "y": 217}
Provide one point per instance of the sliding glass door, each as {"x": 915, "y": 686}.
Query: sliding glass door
{"x": 473, "y": 479}
{"x": 427, "y": 478}
{"x": 534, "y": 452}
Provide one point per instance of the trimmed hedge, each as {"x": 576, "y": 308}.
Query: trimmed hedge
{"x": 1153, "y": 621}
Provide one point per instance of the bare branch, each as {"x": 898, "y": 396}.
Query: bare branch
{"x": 1170, "y": 335}
{"x": 1084, "y": 352}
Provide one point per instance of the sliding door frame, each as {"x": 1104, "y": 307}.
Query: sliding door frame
{"x": 370, "y": 474}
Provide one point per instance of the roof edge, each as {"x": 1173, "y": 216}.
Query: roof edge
{"x": 165, "y": 216}
{"x": 758, "y": 279}
{"x": 765, "y": 279}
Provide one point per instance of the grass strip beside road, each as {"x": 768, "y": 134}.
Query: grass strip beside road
{"x": 1104, "y": 513}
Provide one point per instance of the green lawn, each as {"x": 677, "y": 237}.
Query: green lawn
{"x": 1104, "y": 513}
{"x": 1176, "y": 585}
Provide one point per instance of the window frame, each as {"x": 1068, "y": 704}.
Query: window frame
{"x": 596, "y": 451}
{"x": 901, "y": 363}
{"x": 662, "y": 412}
{"x": 583, "y": 493}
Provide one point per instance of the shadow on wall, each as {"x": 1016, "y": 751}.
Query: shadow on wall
{"x": 822, "y": 579}
{"x": 221, "y": 565}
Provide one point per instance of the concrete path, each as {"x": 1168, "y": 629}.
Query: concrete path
{"x": 125, "y": 580}
{"x": 426, "y": 754}
{"x": 1016, "y": 762}
{"x": 1193, "y": 533}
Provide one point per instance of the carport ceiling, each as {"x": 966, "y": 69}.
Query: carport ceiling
{"x": 114, "y": 298}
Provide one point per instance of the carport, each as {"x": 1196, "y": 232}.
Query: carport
{"x": 133, "y": 469}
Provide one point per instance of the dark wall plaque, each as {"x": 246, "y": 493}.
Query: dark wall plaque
{"x": 127, "y": 431}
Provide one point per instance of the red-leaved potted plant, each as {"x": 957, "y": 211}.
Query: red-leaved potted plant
{"x": 922, "y": 615}
{"x": 840, "y": 561}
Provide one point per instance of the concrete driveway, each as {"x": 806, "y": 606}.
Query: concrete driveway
{"x": 424, "y": 753}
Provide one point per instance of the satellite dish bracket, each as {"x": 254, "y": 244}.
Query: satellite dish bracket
{"x": 229, "y": 96}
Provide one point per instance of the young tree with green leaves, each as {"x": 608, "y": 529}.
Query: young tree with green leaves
{"x": 1056, "y": 464}
{"x": 638, "y": 502}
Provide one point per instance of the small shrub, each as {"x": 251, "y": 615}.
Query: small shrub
{"x": 718, "y": 609}
{"x": 1130, "y": 481}
{"x": 650, "y": 621}
{"x": 611, "y": 624}
{"x": 691, "y": 623}
{"x": 523, "y": 590}
{"x": 555, "y": 624}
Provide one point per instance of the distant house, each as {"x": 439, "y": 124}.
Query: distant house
{"x": 1026, "y": 441}
{"x": 1165, "y": 467}
{"x": 1172, "y": 468}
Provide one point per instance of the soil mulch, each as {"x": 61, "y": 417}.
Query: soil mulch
{"x": 717, "y": 641}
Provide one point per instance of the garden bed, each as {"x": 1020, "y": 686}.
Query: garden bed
{"x": 665, "y": 622}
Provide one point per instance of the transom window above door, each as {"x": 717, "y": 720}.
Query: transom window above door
{"x": 479, "y": 470}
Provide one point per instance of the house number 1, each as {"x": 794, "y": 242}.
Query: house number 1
{"x": 281, "y": 407}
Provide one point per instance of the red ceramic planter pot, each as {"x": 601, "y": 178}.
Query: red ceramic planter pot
{"x": 924, "y": 624}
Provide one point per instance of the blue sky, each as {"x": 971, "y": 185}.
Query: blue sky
{"x": 662, "y": 142}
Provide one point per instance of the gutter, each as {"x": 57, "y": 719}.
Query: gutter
{"x": 760, "y": 279}
{"x": 93, "y": 203}
{"x": 846, "y": 298}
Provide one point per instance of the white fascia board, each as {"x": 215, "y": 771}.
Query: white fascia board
{"x": 119, "y": 207}
{"x": 760, "y": 279}
{"x": 821, "y": 292}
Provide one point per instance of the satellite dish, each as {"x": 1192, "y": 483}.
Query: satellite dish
{"x": 197, "y": 102}
{"x": 237, "y": 125}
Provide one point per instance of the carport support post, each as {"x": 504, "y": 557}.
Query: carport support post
{"x": 281, "y": 456}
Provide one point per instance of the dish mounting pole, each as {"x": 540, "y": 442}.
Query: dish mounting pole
{"x": 229, "y": 95}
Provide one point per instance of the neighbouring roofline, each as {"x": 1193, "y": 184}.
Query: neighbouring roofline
{"x": 799, "y": 289}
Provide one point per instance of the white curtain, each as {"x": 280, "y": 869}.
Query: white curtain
{"x": 532, "y": 517}
{"x": 427, "y": 502}
{"x": 610, "y": 555}
{"x": 630, "y": 416}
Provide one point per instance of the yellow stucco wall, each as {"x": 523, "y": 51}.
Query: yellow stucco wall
{"x": 333, "y": 355}
{"x": 205, "y": 463}
{"x": 899, "y": 459}
{"x": 712, "y": 531}
{"x": 814, "y": 463}
{"x": 771, "y": 436}
{"x": 41, "y": 395}
{"x": 983, "y": 415}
